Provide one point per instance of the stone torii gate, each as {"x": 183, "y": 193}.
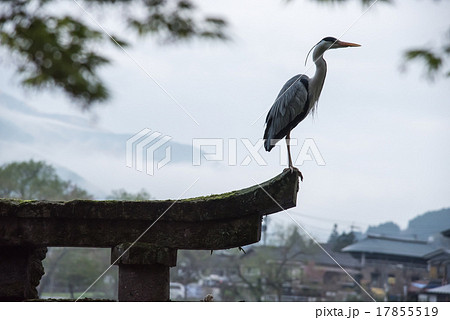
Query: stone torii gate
{"x": 213, "y": 222}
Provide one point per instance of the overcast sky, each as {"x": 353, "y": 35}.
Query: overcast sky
{"x": 383, "y": 134}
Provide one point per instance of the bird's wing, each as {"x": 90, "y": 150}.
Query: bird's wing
{"x": 290, "y": 107}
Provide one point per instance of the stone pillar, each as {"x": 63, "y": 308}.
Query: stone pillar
{"x": 20, "y": 272}
{"x": 143, "y": 271}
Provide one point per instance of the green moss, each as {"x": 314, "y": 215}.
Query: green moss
{"x": 213, "y": 196}
{"x": 16, "y": 201}
{"x": 226, "y": 194}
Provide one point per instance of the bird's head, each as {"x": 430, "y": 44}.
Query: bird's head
{"x": 333, "y": 43}
{"x": 329, "y": 43}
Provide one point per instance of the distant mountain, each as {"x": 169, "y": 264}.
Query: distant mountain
{"x": 387, "y": 228}
{"x": 429, "y": 223}
{"x": 421, "y": 227}
{"x": 73, "y": 142}
{"x": 69, "y": 175}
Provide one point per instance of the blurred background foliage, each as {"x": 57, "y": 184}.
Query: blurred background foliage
{"x": 52, "y": 50}
{"x": 56, "y": 50}
{"x": 36, "y": 180}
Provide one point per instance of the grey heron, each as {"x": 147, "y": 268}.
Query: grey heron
{"x": 298, "y": 97}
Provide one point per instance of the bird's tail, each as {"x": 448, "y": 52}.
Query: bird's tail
{"x": 267, "y": 145}
{"x": 269, "y": 142}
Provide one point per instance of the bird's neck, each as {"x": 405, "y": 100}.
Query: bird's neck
{"x": 317, "y": 81}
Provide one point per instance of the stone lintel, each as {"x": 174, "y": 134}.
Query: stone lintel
{"x": 210, "y": 223}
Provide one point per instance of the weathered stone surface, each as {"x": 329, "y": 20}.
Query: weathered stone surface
{"x": 144, "y": 283}
{"x": 212, "y": 222}
{"x": 236, "y": 204}
{"x": 143, "y": 254}
{"x": 143, "y": 271}
{"x": 20, "y": 272}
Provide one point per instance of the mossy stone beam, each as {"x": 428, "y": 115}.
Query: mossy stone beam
{"x": 213, "y": 222}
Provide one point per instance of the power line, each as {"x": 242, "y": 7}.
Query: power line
{"x": 329, "y": 219}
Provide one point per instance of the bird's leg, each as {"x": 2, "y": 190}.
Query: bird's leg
{"x": 288, "y": 141}
{"x": 291, "y": 166}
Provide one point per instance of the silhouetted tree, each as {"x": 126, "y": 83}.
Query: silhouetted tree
{"x": 334, "y": 235}
{"x": 73, "y": 270}
{"x": 339, "y": 241}
{"x": 52, "y": 48}
{"x": 344, "y": 240}
{"x": 122, "y": 194}
{"x": 36, "y": 180}
{"x": 273, "y": 264}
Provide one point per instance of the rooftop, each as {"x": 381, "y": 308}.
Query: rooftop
{"x": 392, "y": 246}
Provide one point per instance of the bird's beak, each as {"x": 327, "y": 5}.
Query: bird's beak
{"x": 343, "y": 44}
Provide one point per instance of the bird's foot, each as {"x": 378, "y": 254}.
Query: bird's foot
{"x": 292, "y": 169}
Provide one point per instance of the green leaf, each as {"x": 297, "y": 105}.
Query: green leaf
{"x": 53, "y": 50}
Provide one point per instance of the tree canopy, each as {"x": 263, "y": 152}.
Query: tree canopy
{"x": 122, "y": 194}
{"x": 36, "y": 180}
{"x": 56, "y": 50}
{"x": 339, "y": 241}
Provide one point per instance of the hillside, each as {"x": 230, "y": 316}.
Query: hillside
{"x": 420, "y": 227}
{"x": 428, "y": 224}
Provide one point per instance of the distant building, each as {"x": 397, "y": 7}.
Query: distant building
{"x": 439, "y": 262}
{"x": 438, "y": 294}
{"x": 397, "y": 269}
{"x": 290, "y": 274}
{"x": 389, "y": 268}
{"x": 438, "y": 289}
